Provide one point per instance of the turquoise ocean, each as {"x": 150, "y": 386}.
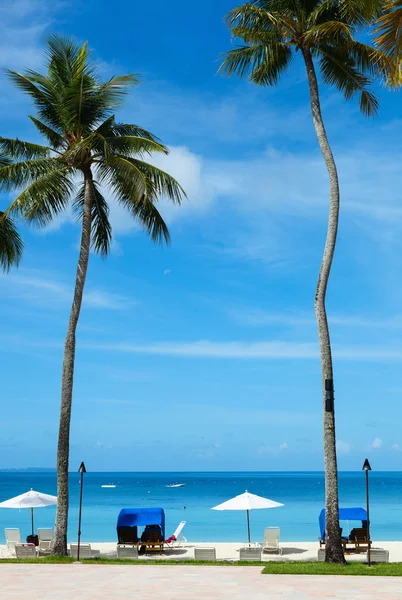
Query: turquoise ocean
{"x": 301, "y": 493}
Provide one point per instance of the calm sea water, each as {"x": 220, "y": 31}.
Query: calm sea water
{"x": 301, "y": 493}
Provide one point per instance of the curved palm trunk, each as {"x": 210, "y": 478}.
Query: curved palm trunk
{"x": 60, "y": 535}
{"x": 333, "y": 546}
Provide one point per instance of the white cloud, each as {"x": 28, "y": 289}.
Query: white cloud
{"x": 22, "y": 26}
{"x": 45, "y": 290}
{"x": 269, "y": 449}
{"x": 376, "y": 443}
{"x": 257, "y": 317}
{"x": 343, "y": 447}
{"x": 167, "y": 272}
{"x": 396, "y": 447}
{"x": 271, "y": 349}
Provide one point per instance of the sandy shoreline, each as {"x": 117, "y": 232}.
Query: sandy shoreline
{"x": 304, "y": 551}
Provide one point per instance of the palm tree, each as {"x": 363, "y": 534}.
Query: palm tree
{"x": 322, "y": 32}
{"x": 11, "y": 244}
{"x": 85, "y": 150}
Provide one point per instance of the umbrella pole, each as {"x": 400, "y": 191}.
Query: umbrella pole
{"x": 32, "y": 520}
{"x": 248, "y": 526}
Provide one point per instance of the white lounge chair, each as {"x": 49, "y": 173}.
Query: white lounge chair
{"x": 85, "y": 550}
{"x": 13, "y": 536}
{"x": 271, "y": 540}
{"x": 25, "y": 551}
{"x": 251, "y": 553}
{"x": 45, "y": 537}
{"x": 177, "y": 537}
{"x": 127, "y": 551}
{"x": 205, "y": 553}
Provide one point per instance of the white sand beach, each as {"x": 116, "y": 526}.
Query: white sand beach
{"x": 303, "y": 551}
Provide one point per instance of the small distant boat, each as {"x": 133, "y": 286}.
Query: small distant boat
{"x": 176, "y": 485}
{"x": 108, "y": 486}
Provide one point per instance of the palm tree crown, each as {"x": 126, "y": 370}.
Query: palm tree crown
{"x": 75, "y": 114}
{"x": 273, "y": 30}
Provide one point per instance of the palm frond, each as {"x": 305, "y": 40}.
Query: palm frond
{"x": 54, "y": 137}
{"x": 330, "y": 32}
{"x": 16, "y": 149}
{"x": 263, "y": 64}
{"x": 22, "y": 173}
{"x": 101, "y": 234}
{"x": 44, "y": 198}
{"x": 11, "y": 244}
{"x": 340, "y": 70}
{"x": 388, "y": 31}
{"x": 131, "y": 145}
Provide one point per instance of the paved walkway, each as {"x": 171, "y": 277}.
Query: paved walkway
{"x": 115, "y": 582}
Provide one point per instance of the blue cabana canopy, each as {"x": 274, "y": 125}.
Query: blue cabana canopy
{"x": 345, "y": 514}
{"x": 130, "y": 517}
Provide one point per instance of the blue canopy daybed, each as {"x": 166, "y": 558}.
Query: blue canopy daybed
{"x": 140, "y": 517}
{"x": 345, "y": 514}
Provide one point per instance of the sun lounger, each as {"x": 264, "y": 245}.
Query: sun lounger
{"x": 177, "y": 537}
{"x": 25, "y": 550}
{"x": 127, "y": 551}
{"x": 271, "y": 540}
{"x": 45, "y": 537}
{"x": 251, "y": 553}
{"x": 13, "y": 537}
{"x": 359, "y": 536}
{"x": 205, "y": 553}
{"x": 85, "y": 550}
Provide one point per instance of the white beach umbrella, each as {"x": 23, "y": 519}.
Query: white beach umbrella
{"x": 247, "y": 502}
{"x": 30, "y": 500}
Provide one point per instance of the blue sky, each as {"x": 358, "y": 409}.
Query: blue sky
{"x": 203, "y": 355}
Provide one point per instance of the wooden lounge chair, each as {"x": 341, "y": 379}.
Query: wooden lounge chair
{"x": 127, "y": 551}
{"x": 25, "y": 551}
{"x": 205, "y": 553}
{"x": 252, "y": 553}
{"x": 271, "y": 540}
{"x": 85, "y": 550}
{"x": 359, "y": 536}
{"x": 127, "y": 535}
{"x": 152, "y": 541}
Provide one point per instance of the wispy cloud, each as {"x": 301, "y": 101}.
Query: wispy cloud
{"x": 343, "y": 447}
{"x": 376, "y": 443}
{"x": 257, "y": 317}
{"x": 35, "y": 287}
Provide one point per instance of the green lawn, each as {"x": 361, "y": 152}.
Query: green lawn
{"x": 321, "y": 568}
{"x": 277, "y": 568}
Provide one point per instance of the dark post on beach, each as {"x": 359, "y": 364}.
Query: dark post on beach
{"x": 81, "y": 471}
{"x": 366, "y": 467}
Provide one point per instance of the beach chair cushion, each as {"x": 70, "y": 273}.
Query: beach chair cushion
{"x": 205, "y": 553}
{"x": 127, "y": 551}
{"x": 378, "y": 555}
{"x": 85, "y": 550}
{"x": 251, "y": 553}
{"x": 25, "y": 550}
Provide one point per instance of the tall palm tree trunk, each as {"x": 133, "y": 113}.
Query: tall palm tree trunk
{"x": 333, "y": 546}
{"x": 63, "y": 448}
